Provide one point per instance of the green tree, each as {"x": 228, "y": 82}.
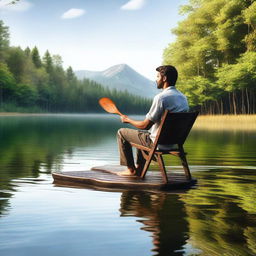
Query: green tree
{"x": 47, "y": 61}
{"x": 240, "y": 78}
{"x": 27, "y": 51}
{"x": 57, "y": 60}
{"x": 36, "y": 57}
{"x": 7, "y": 83}
{"x": 4, "y": 40}
{"x": 25, "y": 95}
{"x": 70, "y": 74}
{"x": 249, "y": 15}
{"x": 213, "y": 36}
{"x": 16, "y": 62}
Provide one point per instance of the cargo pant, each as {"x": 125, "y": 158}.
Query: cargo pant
{"x": 124, "y": 137}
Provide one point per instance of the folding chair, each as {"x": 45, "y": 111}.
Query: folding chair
{"x": 174, "y": 129}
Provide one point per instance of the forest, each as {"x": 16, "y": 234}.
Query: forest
{"x": 31, "y": 83}
{"x": 214, "y": 52}
{"x": 215, "y": 55}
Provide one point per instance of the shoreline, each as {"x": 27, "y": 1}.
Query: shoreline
{"x": 18, "y": 114}
{"x": 204, "y": 122}
{"x": 231, "y": 116}
{"x": 43, "y": 114}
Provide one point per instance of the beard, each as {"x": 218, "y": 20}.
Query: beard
{"x": 159, "y": 85}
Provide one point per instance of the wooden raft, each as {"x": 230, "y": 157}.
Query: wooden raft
{"x": 106, "y": 177}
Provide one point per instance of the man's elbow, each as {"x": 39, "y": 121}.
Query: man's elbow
{"x": 147, "y": 125}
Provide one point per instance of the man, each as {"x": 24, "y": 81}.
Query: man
{"x": 170, "y": 98}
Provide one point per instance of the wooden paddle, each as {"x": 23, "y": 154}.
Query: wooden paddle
{"x": 108, "y": 105}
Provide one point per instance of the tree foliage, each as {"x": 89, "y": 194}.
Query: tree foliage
{"x": 7, "y": 83}
{"x": 36, "y": 57}
{"x": 214, "y": 54}
{"x": 4, "y": 40}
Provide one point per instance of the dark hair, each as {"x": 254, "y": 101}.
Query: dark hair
{"x": 170, "y": 72}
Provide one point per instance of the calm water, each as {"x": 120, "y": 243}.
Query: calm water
{"x": 217, "y": 217}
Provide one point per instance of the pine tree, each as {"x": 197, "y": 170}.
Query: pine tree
{"x": 47, "y": 61}
{"x": 4, "y": 40}
{"x": 70, "y": 74}
{"x": 36, "y": 57}
{"x": 27, "y": 51}
{"x": 16, "y": 62}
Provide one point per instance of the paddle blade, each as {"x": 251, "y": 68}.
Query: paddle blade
{"x": 108, "y": 105}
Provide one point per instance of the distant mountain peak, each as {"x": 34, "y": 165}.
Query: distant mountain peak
{"x": 122, "y": 78}
{"x": 112, "y": 71}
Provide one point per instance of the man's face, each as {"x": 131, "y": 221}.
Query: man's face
{"x": 159, "y": 80}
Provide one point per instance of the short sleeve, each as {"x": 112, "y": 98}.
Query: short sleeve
{"x": 156, "y": 110}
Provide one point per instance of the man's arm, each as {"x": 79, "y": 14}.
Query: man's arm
{"x": 143, "y": 125}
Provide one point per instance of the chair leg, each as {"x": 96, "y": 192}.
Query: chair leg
{"x": 146, "y": 165}
{"x": 185, "y": 166}
{"x": 162, "y": 168}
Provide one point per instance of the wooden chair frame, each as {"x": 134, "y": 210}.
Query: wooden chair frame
{"x": 173, "y": 129}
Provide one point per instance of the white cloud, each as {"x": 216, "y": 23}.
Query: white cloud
{"x": 133, "y": 5}
{"x": 73, "y": 13}
{"x": 20, "y": 6}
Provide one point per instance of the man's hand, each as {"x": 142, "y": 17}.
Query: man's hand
{"x": 124, "y": 119}
{"x": 143, "y": 125}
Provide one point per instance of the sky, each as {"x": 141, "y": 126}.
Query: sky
{"x": 95, "y": 34}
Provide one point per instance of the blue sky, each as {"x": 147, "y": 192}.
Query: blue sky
{"x": 95, "y": 34}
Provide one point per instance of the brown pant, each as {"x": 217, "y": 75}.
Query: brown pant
{"x": 124, "y": 137}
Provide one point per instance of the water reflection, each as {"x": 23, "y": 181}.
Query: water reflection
{"x": 222, "y": 212}
{"x": 220, "y": 148}
{"x": 216, "y": 218}
{"x": 162, "y": 215}
{"x": 32, "y": 145}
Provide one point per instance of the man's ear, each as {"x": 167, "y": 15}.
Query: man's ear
{"x": 164, "y": 78}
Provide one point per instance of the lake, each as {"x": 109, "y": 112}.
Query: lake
{"x": 37, "y": 217}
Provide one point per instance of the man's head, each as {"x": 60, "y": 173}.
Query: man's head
{"x": 166, "y": 74}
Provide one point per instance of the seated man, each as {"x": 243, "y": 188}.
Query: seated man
{"x": 170, "y": 98}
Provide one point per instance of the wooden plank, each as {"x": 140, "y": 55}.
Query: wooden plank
{"x": 106, "y": 177}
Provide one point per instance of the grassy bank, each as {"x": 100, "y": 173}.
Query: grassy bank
{"x": 226, "y": 122}
{"x": 12, "y": 108}
{"x": 21, "y": 114}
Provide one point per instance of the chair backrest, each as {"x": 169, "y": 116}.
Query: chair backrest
{"x": 175, "y": 127}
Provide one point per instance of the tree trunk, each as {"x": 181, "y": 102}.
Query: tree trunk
{"x": 218, "y": 108}
{"x": 230, "y": 105}
{"x": 253, "y": 101}
{"x": 243, "y": 107}
{"x": 234, "y": 103}
{"x": 1, "y": 97}
{"x": 248, "y": 102}
{"x": 221, "y": 106}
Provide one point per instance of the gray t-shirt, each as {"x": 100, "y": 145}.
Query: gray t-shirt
{"x": 171, "y": 99}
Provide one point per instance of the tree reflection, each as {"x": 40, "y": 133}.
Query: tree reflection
{"x": 32, "y": 145}
{"x": 222, "y": 212}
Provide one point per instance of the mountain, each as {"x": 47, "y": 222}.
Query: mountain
{"x": 121, "y": 77}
